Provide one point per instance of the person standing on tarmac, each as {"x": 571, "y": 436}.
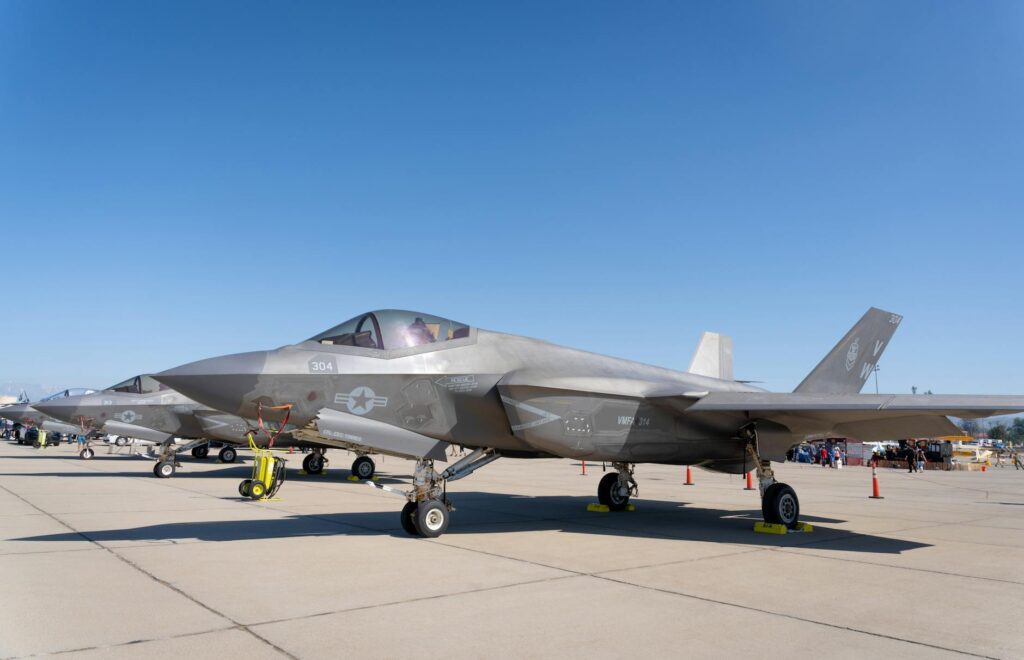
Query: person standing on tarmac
{"x": 920, "y": 459}
{"x": 911, "y": 455}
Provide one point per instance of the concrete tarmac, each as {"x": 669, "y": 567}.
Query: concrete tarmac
{"x": 101, "y": 559}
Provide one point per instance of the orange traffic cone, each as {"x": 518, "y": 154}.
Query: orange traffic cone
{"x": 689, "y": 477}
{"x": 750, "y": 481}
{"x": 874, "y": 484}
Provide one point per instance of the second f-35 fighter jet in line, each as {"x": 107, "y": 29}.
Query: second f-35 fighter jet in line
{"x": 411, "y": 384}
{"x": 144, "y": 409}
{"x": 27, "y": 413}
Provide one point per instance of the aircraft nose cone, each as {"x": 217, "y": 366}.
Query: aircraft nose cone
{"x": 225, "y": 383}
{"x": 63, "y": 408}
{"x": 52, "y": 408}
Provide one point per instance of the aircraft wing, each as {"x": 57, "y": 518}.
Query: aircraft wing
{"x": 866, "y": 417}
{"x": 863, "y": 416}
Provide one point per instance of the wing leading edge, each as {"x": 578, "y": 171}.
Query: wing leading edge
{"x": 863, "y": 416}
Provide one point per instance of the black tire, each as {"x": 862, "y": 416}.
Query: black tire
{"x": 121, "y": 441}
{"x": 244, "y": 486}
{"x": 227, "y": 454}
{"x": 432, "y": 518}
{"x": 314, "y": 463}
{"x": 200, "y": 452}
{"x": 780, "y": 506}
{"x": 257, "y": 489}
{"x": 86, "y": 453}
{"x": 609, "y": 493}
{"x": 363, "y": 468}
{"x": 409, "y": 519}
{"x": 164, "y": 469}
{"x": 767, "y": 512}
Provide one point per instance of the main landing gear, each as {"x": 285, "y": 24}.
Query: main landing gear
{"x": 428, "y": 509}
{"x": 615, "y": 488}
{"x": 363, "y": 468}
{"x": 201, "y": 451}
{"x": 227, "y": 454}
{"x": 315, "y": 461}
{"x": 779, "y": 503}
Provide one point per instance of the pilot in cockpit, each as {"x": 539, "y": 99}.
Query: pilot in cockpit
{"x": 419, "y": 333}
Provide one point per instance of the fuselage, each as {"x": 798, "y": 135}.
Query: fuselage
{"x": 476, "y": 391}
{"x": 27, "y": 415}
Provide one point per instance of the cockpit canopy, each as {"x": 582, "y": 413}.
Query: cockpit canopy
{"x": 392, "y": 329}
{"x": 138, "y": 385}
{"x": 63, "y": 394}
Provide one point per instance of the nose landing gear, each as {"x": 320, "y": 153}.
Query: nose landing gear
{"x": 427, "y": 510}
{"x": 315, "y": 462}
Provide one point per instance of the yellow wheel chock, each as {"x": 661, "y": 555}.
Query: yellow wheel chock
{"x": 762, "y": 527}
{"x": 603, "y": 508}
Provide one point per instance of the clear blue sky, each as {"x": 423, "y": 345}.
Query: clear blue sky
{"x": 180, "y": 180}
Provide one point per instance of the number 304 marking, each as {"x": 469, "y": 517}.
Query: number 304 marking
{"x": 321, "y": 366}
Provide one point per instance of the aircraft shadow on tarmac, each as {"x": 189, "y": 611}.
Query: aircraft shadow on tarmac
{"x": 237, "y": 469}
{"x": 492, "y": 513}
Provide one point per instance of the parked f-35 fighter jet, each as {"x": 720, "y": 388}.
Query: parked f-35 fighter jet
{"x": 29, "y": 413}
{"x": 410, "y": 384}
{"x": 144, "y": 409}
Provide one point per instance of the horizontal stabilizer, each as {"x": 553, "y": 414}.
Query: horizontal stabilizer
{"x": 359, "y": 433}
{"x": 713, "y": 357}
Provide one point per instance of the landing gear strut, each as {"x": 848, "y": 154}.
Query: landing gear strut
{"x": 428, "y": 509}
{"x": 315, "y": 462}
{"x": 616, "y": 488}
{"x": 779, "y": 503}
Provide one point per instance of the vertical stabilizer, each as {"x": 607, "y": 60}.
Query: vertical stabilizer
{"x": 713, "y": 357}
{"x": 848, "y": 365}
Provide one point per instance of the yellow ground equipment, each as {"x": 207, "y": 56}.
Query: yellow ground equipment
{"x": 267, "y": 474}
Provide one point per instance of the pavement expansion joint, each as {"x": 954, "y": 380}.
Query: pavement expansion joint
{"x": 143, "y": 571}
{"x": 795, "y": 618}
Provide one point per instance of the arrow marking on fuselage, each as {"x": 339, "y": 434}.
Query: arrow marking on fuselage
{"x": 544, "y": 415}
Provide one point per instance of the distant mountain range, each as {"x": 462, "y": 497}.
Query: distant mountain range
{"x": 32, "y": 390}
